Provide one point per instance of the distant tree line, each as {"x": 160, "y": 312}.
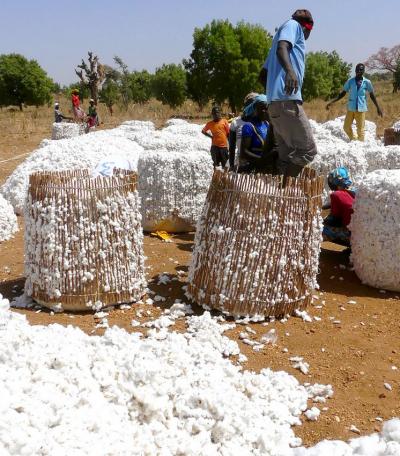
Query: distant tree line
{"x": 223, "y": 67}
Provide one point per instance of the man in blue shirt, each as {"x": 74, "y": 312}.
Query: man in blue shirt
{"x": 357, "y": 89}
{"x": 283, "y": 74}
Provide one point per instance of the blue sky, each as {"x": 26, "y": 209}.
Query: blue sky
{"x": 146, "y": 34}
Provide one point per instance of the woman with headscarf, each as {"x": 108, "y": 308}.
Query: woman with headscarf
{"x": 235, "y": 133}
{"x": 341, "y": 207}
{"x": 79, "y": 113}
{"x": 256, "y": 148}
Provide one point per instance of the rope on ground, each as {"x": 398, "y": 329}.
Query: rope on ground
{"x": 15, "y": 158}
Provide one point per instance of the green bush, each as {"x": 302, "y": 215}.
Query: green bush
{"x": 23, "y": 82}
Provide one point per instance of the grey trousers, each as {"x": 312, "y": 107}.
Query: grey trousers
{"x": 292, "y": 130}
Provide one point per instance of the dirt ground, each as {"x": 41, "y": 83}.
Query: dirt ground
{"x": 354, "y": 347}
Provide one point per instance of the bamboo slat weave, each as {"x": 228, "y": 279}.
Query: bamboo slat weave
{"x": 257, "y": 244}
{"x": 83, "y": 240}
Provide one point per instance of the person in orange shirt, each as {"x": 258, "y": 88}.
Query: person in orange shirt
{"x": 219, "y": 129}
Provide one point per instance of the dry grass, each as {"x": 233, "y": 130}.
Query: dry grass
{"x": 22, "y": 131}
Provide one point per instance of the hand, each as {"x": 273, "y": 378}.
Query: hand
{"x": 291, "y": 83}
{"x": 380, "y": 113}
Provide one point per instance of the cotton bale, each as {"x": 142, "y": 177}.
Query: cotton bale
{"x": 62, "y": 130}
{"x": 84, "y": 151}
{"x": 257, "y": 244}
{"x": 8, "y": 220}
{"x": 83, "y": 240}
{"x": 375, "y": 230}
{"x": 173, "y": 187}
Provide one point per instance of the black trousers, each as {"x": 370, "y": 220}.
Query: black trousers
{"x": 219, "y": 155}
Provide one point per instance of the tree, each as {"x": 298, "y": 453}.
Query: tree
{"x": 23, "y": 81}
{"x": 109, "y": 94}
{"x": 92, "y": 75}
{"x": 225, "y": 62}
{"x": 140, "y": 86}
{"x": 324, "y": 76}
{"x": 385, "y": 59}
{"x": 169, "y": 85}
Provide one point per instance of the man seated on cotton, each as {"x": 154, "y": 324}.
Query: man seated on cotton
{"x": 58, "y": 115}
{"x": 341, "y": 207}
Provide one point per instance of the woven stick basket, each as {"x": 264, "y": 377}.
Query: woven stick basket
{"x": 257, "y": 244}
{"x": 83, "y": 240}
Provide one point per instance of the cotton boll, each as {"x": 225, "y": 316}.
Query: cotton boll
{"x": 8, "y": 220}
{"x": 375, "y": 230}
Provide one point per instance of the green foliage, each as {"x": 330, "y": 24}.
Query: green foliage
{"x": 169, "y": 85}
{"x": 225, "y": 62}
{"x": 325, "y": 75}
{"x": 140, "y": 86}
{"x": 109, "y": 94}
{"x": 23, "y": 81}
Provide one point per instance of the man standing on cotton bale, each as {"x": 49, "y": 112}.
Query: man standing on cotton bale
{"x": 219, "y": 129}
{"x": 283, "y": 74}
{"x": 357, "y": 89}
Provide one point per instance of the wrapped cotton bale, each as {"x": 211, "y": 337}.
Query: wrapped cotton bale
{"x": 8, "y": 220}
{"x": 173, "y": 187}
{"x": 84, "y": 151}
{"x": 83, "y": 240}
{"x": 257, "y": 244}
{"x": 375, "y": 230}
{"x": 62, "y": 130}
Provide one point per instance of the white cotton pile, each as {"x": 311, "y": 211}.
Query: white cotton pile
{"x": 64, "y": 392}
{"x": 335, "y": 126}
{"x": 386, "y": 443}
{"x": 62, "y": 130}
{"x": 375, "y": 230}
{"x": 84, "y": 151}
{"x": 135, "y": 129}
{"x": 334, "y": 149}
{"x": 8, "y": 220}
{"x": 177, "y": 136}
{"x": 173, "y": 187}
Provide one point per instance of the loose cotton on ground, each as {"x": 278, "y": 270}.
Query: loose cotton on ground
{"x": 375, "y": 229}
{"x": 64, "y": 392}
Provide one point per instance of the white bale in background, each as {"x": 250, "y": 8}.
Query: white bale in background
{"x": 84, "y": 151}
{"x": 8, "y": 220}
{"x": 173, "y": 187}
{"x": 177, "y": 136}
{"x": 62, "y": 130}
{"x": 375, "y": 230}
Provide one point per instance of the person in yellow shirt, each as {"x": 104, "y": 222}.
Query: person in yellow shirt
{"x": 218, "y": 130}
